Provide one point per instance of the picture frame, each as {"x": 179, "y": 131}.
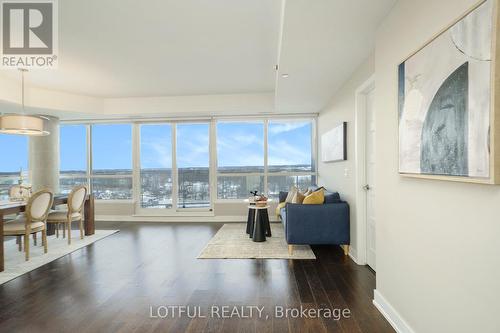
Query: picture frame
{"x": 334, "y": 144}
{"x": 445, "y": 130}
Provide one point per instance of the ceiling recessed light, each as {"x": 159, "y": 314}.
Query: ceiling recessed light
{"x": 284, "y": 75}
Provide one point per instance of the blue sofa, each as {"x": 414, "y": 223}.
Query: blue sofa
{"x": 327, "y": 223}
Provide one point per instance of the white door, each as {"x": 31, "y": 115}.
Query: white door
{"x": 370, "y": 172}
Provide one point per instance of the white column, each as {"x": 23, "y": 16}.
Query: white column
{"x": 44, "y": 158}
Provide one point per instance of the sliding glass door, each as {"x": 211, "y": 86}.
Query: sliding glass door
{"x": 174, "y": 167}
{"x": 193, "y": 165}
{"x": 156, "y": 176}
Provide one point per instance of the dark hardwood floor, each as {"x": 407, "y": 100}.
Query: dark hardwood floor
{"x": 111, "y": 285}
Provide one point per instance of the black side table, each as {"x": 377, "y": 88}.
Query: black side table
{"x": 258, "y": 226}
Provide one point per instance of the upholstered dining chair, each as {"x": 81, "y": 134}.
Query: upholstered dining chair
{"x": 76, "y": 200}
{"x": 37, "y": 210}
{"x": 20, "y": 193}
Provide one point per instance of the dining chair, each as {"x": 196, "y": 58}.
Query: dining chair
{"x": 76, "y": 201}
{"x": 20, "y": 193}
{"x": 37, "y": 210}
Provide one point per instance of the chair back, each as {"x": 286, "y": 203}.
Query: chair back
{"x": 39, "y": 205}
{"x": 76, "y": 199}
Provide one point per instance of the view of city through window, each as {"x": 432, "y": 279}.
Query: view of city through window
{"x": 73, "y": 157}
{"x": 112, "y": 161}
{"x": 240, "y": 156}
{"x": 193, "y": 163}
{"x": 16, "y": 148}
{"x": 156, "y": 166}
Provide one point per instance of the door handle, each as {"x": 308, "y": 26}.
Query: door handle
{"x": 367, "y": 187}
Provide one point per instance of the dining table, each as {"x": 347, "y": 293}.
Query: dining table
{"x": 15, "y": 207}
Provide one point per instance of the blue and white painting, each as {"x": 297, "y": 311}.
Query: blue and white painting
{"x": 445, "y": 100}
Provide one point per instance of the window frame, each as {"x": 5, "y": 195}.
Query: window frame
{"x": 266, "y": 174}
{"x": 136, "y": 158}
{"x": 213, "y": 163}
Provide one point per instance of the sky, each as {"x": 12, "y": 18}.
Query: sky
{"x": 13, "y": 152}
{"x": 238, "y": 144}
{"x": 73, "y": 146}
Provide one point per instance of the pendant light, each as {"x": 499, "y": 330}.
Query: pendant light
{"x": 23, "y": 124}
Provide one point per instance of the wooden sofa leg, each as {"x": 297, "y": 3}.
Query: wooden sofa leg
{"x": 290, "y": 249}
{"x": 346, "y": 249}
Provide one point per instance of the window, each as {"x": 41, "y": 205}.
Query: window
{"x": 240, "y": 159}
{"x": 283, "y": 183}
{"x": 112, "y": 161}
{"x": 290, "y": 155}
{"x": 156, "y": 166}
{"x": 72, "y": 156}
{"x": 290, "y": 146}
{"x": 238, "y": 187}
{"x": 241, "y": 156}
{"x": 193, "y": 165}
{"x": 240, "y": 147}
{"x": 16, "y": 148}
{"x": 174, "y": 160}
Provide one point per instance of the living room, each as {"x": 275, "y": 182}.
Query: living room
{"x": 233, "y": 166}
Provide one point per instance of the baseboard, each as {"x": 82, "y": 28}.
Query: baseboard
{"x": 392, "y": 316}
{"x": 166, "y": 219}
{"x": 354, "y": 256}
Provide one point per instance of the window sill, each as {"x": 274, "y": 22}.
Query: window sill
{"x": 115, "y": 201}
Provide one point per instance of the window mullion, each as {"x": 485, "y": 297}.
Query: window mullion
{"x": 89, "y": 157}
{"x": 136, "y": 165}
{"x": 266, "y": 167}
{"x": 175, "y": 176}
{"x": 212, "y": 172}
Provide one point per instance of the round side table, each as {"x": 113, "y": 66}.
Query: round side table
{"x": 258, "y": 226}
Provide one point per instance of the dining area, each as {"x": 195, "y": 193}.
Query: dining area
{"x": 25, "y": 216}
{"x": 40, "y": 221}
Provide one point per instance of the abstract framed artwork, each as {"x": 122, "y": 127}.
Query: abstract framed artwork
{"x": 334, "y": 144}
{"x": 448, "y": 102}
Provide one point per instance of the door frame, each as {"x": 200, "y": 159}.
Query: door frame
{"x": 360, "y": 162}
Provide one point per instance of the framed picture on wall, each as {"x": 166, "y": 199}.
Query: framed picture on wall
{"x": 334, "y": 144}
{"x": 448, "y": 102}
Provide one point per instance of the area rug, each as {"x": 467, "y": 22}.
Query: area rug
{"x": 15, "y": 265}
{"x": 232, "y": 242}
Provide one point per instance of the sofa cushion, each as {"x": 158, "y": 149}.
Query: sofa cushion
{"x": 291, "y": 194}
{"x": 298, "y": 198}
{"x": 282, "y": 196}
{"x": 332, "y": 197}
{"x": 279, "y": 207}
{"x": 315, "y": 198}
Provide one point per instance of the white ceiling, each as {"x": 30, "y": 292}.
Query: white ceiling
{"x": 323, "y": 42}
{"x": 130, "y": 48}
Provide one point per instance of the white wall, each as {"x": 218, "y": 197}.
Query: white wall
{"x": 332, "y": 174}
{"x": 438, "y": 248}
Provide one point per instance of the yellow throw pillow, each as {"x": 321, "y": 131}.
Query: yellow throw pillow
{"x": 278, "y": 209}
{"x": 308, "y": 192}
{"x": 315, "y": 198}
{"x": 298, "y": 198}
